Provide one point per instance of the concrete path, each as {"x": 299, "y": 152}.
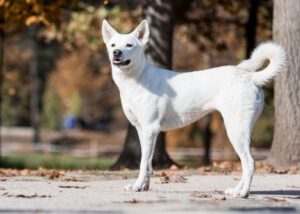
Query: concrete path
{"x": 102, "y": 192}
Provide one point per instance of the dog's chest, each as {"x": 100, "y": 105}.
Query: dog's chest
{"x": 131, "y": 109}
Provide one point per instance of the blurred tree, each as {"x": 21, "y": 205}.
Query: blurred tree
{"x": 76, "y": 106}
{"x": 285, "y": 149}
{"x": 89, "y": 77}
{"x": 1, "y": 74}
{"x": 251, "y": 27}
{"x": 160, "y": 16}
{"x": 34, "y": 85}
{"x": 16, "y": 16}
{"x": 51, "y": 113}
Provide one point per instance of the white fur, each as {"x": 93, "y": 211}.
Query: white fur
{"x": 155, "y": 99}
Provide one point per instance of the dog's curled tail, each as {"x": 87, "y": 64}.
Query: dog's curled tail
{"x": 266, "y": 51}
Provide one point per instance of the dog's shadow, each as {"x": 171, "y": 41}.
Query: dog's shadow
{"x": 277, "y": 192}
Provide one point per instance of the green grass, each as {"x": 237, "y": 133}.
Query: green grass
{"x": 190, "y": 163}
{"x": 35, "y": 160}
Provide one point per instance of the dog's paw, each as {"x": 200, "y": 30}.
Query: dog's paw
{"x": 243, "y": 194}
{"x": 145, "y": 187}
{"x": 135, "y": 188}
{"x": 237, "y": 193}
{"x": 230, "y": 191}
{"x": 128, "y": 187}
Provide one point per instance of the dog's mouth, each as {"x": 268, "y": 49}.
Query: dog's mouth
{"x": 119, "y": 62}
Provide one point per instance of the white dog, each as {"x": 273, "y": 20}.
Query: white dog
{"x": 155, "y": 99}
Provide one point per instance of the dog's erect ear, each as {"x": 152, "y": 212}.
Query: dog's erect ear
{"x": 107, "y": 31}
{"x": 142, "y": 32}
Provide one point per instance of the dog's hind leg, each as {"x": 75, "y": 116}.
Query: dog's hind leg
{"x": 239, "y": 129}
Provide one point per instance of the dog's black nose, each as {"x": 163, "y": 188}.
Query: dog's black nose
{"x": 117, "y": 52}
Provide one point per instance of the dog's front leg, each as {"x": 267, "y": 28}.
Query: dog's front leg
{"x": 148, "y": 140}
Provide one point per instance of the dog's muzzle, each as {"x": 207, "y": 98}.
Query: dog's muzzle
{"x": 117, "y": 61}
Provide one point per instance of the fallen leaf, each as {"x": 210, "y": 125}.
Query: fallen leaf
{"x": 223, "y": 199}
{"x": 226, "y": 165}
{"x": 185, "y": 167}
{"x": 6, "y": 194}
{"x": 292, "y": 186}
{"x": 259, "y": 164}
{"x": 219, "y": 192}
{"x": 162, "y": 174}
{"x": 269, "y": 168}
{"x": 171, "y": 179}
{"x": 293, "y": 170}
{"x": 124, "y": 177}
{"x": 201, "y": 195}
{"x": 237, "y": 179}
{"x": 49, "y": 174}
{"x": 74, "y": 187}
{"x": 173, "y": 167}
{"x": 25, "y": 172}
{"x": 178, "y": 179}
{"x": 133, "y": 201}
{"x": 215, "y": 164}
{"x": 277, "y": 171}
{"x": 275, "y": 199}
{"x": 67, "y": 178}
{"x": 163, "y": 180}
{"x": 2, "y": 179}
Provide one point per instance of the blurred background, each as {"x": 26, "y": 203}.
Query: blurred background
{"x": 60, "y": 107}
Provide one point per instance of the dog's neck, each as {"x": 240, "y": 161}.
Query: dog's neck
{"x": 131, "y": 74}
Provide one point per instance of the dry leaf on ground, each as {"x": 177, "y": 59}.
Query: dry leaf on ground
{"x": 219, "y": 192}
{"x": 74, "y": 187}
{"x": 293, "y": 186}
{"x": 6, "y": 194}
{"x": 25, "y": 172}
{"x": 133, "y": 201}
{"x": 67, "y": 178}
{"x": 201, "y": 195}
{"x": 162, "y": 174}
{"x": 171, "y": 179}
{"x": 174, "y": 167}
{"x": 275, "y": 199}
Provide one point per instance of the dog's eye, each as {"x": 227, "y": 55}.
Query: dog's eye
{"x": 113, "y": 45}
{"x": 129, "y": 45}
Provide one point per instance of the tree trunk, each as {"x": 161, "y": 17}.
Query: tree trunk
{"x": 159, "y": 15}
{"x": 285, "y": 149}
{"x": 1, "y": 85}
{"x": 34, "y": 85}
{"x": 251, "y": 27}
{"x": 207, "y": 134}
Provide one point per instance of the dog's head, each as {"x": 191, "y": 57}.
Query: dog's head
{"x": 125, "y": 50}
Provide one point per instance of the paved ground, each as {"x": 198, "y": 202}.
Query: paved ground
{"x": 102, "y": 192}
